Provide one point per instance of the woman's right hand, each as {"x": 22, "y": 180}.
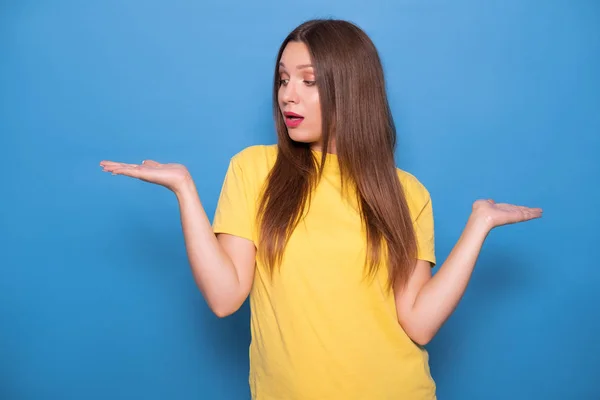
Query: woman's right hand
{"x": 171, "y": 176}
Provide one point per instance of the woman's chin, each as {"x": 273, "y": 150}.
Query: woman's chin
{"x": 302, "y": 138}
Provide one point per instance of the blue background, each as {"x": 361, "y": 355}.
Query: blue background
{"x": 492, "y": 99}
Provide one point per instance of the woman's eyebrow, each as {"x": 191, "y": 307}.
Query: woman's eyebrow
{"x": 301, "y": 66}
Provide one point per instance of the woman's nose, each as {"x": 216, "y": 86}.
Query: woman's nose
{"x": 290, "y": 94}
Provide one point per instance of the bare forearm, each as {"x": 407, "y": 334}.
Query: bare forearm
{"x": 439, "y": 297}
{"x": 212, "y": 268}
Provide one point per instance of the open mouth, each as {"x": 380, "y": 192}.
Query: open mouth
{"x": 292, "y": 116}
{"x": 292, "y": 120}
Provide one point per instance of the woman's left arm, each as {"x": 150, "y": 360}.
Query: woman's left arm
{"x": 426, "y": 301}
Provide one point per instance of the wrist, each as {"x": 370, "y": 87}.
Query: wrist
{"x": 480, "y": 222}
{"x": 185, "y": 187}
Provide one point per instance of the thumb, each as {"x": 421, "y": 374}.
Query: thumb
{"x": 150, "y": 163}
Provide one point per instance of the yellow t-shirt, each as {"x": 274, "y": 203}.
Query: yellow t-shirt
{"x": 319, "y": 330}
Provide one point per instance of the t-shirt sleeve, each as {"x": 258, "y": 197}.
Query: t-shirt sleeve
{"x": 424, "y": 230}
{"x": 234, "y": 213}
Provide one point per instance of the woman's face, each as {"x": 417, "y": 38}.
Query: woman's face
{"x": 298, "y": 95}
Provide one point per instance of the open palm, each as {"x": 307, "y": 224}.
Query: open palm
{"x": 503, "y": 214}
{"x": 170, "y": 176}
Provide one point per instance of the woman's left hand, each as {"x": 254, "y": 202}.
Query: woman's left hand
{"x": 497, "y": 214}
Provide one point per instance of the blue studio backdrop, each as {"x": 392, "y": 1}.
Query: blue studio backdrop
{"x": 492, "y": 99}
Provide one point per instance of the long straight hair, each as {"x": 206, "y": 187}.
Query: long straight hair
{"x": 356, "y": 113}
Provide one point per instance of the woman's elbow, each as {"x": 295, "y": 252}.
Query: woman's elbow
{"x": 419, "y": 335}
{"x": 222, "y": 312}
{"x": 224, "y": 309}
{"x": 422, "y": 339}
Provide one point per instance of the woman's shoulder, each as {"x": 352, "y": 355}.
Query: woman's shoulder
{"x": 256, "y": 154}
{"x": 254, "y": 162}
{"x": 415, "y": 191}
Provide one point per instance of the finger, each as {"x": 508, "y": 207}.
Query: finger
{"x": 132, "y": 171}
{"x": 531, "y": 210}
{"x": 115, "y": 164}
{"x": 536, "y": 210}
{"x": 112, "y": 167}
{"x": 530, "y": 213}
{"x": 106, "y": 163}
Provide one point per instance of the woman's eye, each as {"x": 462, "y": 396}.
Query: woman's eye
{"x": 283, "y": 81}
{"x": 310, "y": 83}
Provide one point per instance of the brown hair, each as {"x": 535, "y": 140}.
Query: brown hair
{"x": 356, "y": 112}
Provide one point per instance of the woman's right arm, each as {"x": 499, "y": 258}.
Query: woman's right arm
{"x": 222, "y": 265}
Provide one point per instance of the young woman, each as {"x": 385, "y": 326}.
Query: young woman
{"x": 333, "y": 243}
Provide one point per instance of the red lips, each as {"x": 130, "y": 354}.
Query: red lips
{"x": 293, "y": 120}
{"x": 291, "y": 114}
